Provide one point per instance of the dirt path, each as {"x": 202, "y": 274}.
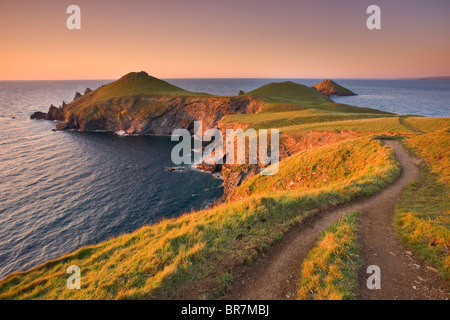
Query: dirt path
{"x": 275, "y": 275}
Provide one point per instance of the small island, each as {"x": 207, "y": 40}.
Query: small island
{"x": 331, "y": 88}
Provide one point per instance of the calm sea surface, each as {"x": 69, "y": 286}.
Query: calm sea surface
{"x": 62, "y": 190}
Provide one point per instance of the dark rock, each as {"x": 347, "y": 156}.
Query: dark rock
{"x": 241, "y": 93}
{"x": 213, "y": 167}
{"x": 172, "y": 169}
{"x": 77, "y": 95}
{"x": 87, "y": 90}
{"x": 38, "y": 115}
{"x": 55, "y": 113}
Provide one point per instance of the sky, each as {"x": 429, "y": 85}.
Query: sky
{"x": 224, "y": 39}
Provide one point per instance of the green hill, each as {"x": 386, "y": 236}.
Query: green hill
{"x": 290, "y": 92}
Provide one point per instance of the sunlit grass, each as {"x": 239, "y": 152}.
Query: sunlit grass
{"x": 434, "y": 148}
{"x": 423, "y": 214}
{"x": 329, "y": 272}
{"x": 334, "y": 165}
{"x": 278, "y": 120}
{"x": 426, "y": 124}
{"x": 389, "y": 125}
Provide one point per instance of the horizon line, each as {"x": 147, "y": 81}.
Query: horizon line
{"x": 237, "y": 78}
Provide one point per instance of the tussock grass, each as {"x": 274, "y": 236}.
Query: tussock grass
{"x": 330, "y": 270}
{"x": 191, "y": 256}
{"x": 422, "y": 214}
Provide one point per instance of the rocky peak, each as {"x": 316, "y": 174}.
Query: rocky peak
{"x": 331, "y": 88}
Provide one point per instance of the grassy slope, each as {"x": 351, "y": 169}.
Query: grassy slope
{"x": 330, "y": 270}
{"x": 352, "y": 160}
{"x": 428, "y": 124}
{"x": 389, "y": 125}
{"x": 290, "y": 118}
{"x": 423, "y": 215}
{"x": 193, "y": 254}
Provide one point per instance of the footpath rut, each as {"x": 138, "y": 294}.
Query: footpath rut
{"x": 275, "y": 275}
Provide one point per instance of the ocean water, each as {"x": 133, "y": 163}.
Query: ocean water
{"x": 62, "y": 190}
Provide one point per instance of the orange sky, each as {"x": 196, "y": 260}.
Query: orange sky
{"x": 233, "y": 38}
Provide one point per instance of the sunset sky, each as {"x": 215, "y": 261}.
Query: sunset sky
{"x": 232, "y": 38}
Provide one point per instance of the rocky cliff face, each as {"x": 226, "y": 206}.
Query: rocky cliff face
{"x": 159, "y": 115}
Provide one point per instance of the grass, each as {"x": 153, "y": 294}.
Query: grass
{"x": 422, "y": 214}
{"x": 359, "y": 161}
{"x": 291, "y": 96}
{"x": 426, "y": 124}
{"x": 389, "y": 126}
{"x": 290, "y": 92}
{"x": 191, "y": 256}
{"x": 434, "y": 148}
{"x": 289, "y": 118}
{"x": 330, "y": 270}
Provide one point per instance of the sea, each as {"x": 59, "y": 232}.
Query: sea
{"x": 60, "y": 191}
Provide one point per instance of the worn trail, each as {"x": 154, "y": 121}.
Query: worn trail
{"x": 275, "y": 274}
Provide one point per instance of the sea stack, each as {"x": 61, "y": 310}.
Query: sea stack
{"x": 331, "y": 88}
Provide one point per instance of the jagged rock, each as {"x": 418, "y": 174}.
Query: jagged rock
{"x": 38, "y": 115}
{"x": 331, "y": 88}
{"x": 241, "y": 93}
{"x": 55, "y": 113}
{"x": 77, "y": 95}
{"x": 87, "y": 90}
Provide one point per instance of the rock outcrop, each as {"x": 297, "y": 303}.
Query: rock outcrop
{"x": 38, "y": 115}
{"x": 55, "y": 113}
{"x": 331, "y": 88}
